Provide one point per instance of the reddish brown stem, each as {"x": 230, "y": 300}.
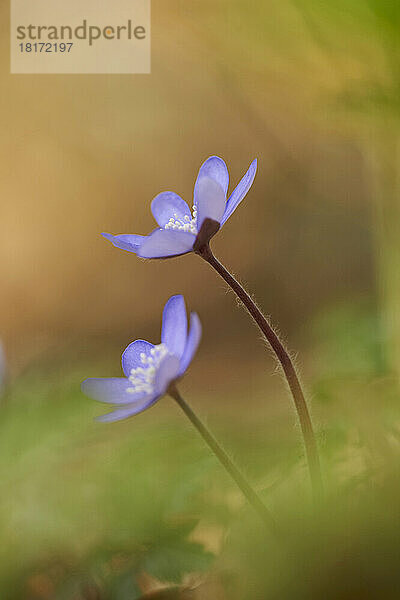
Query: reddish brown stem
{"x": 287, "y": 366}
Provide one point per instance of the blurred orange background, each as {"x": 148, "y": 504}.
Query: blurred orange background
{"x": 84, "y": 154}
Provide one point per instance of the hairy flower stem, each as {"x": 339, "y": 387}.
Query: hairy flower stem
{"x": 286, "y": 364}
{"x": 248, "y": 491}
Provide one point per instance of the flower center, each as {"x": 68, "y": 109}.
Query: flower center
{"x": 185, "y": 224}
{"x": 141, "y": 379}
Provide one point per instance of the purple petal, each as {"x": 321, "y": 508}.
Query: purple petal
{"x": 240, "y": 191}
{"x": 125, "y": 241}
{"x": 211, "y": 201}
{"x": 131, "y": 355}
{"x": 112, "y": 390}
{"x": 166, "y": 373}
{"x": 174, "y": 325}
{"x": 167, "y": 205}
{"x": 214, "y": 168}
{"x": 192, "y": 343}
{"x": 124, "y": 413}
{"x": 166, "y": 242}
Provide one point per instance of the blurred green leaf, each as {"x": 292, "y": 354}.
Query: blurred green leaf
{"x": 171, "y": 560}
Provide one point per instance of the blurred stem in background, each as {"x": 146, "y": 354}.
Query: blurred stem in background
{"x": 371, "y": 98}
{"x": 286, "y": 363}
{"x": 365, "y": 64}
{"x": 247, "y": 490}
{"x": 384, "y": 153}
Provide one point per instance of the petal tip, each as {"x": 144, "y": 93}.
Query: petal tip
{"x": 174, "y": 297}
{"x": 87, "y": 387}
{"x": 84, "y": 385}
{"x": 103, "y": 418}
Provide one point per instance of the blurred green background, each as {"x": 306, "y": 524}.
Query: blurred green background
{"x": 312, "y": 89}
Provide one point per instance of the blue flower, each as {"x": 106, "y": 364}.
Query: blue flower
{"x": 150, "y": 370}
{"x": 179, "y": 227}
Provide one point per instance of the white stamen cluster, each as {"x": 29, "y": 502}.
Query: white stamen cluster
{"x": 187, "y": 224}
{"x": 142, "y": 378}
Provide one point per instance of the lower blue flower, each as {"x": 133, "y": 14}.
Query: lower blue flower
{"x": 149, "y": 370}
